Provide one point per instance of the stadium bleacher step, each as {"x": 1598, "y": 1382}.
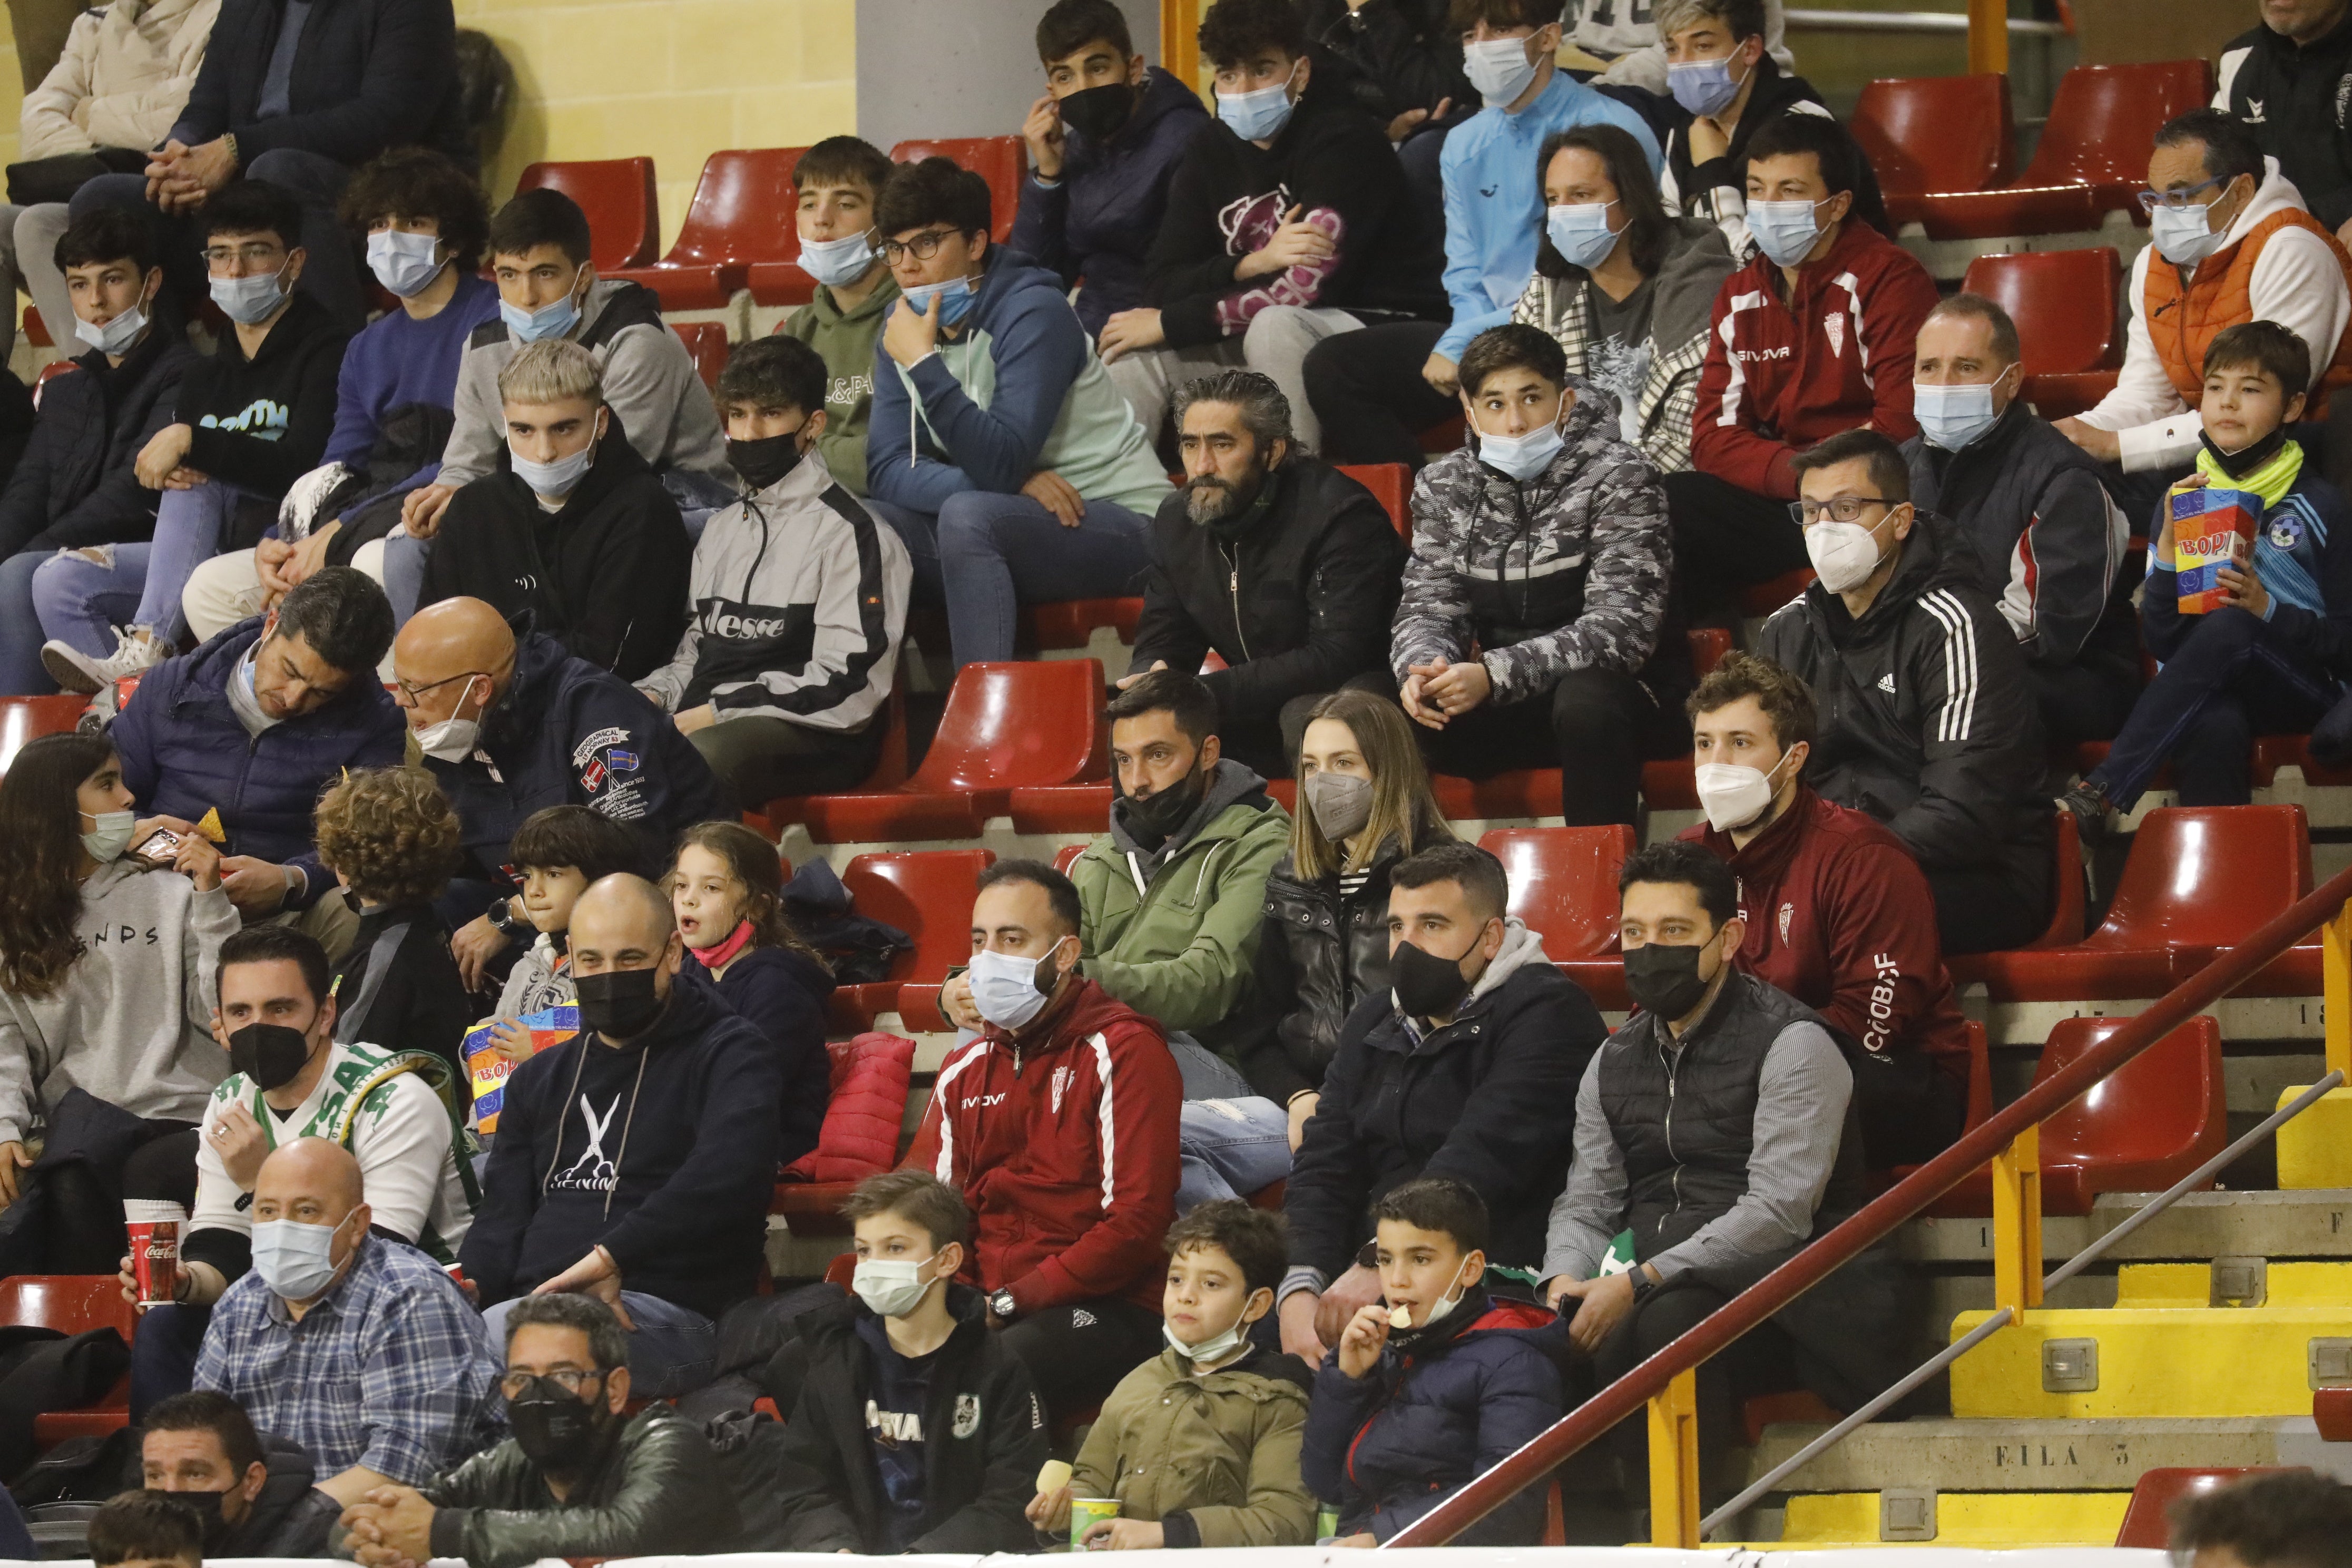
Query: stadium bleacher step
{"x": 1953, "y": 1519}
{"x": 2162, "y": 1351}
{"x": 2308, "y": 1224}
{"x": 2038, "y": 1456}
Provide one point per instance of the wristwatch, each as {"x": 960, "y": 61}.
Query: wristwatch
{"x": 1002, "y": 1305}
{"x": 502, "y": 916}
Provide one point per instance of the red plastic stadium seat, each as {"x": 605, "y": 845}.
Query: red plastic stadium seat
{"x": 1006, "y": 725}
{"x": 841, "y": 1271}
{"x": 24, "y": 719}
{"x": 928, "y": 894}
{"x": 1071, "y": 623}
{"x": 2144, "y": 1523}
{"x": 1082, "y": 808}
{"x": 1066, "y": 857}
{"x": 2273, "y": 753}
{"x": 707, "y": 341}
{"x": 1935, "y": 133}
{"x": 742, "y": 213}
{"x": 2063, "y": 302}
{"x": 1002, "y": 161}
{"x": 1766, "y": 597}
{"x": 2331, "y": 1410}
{"x": 1710, "y": 646}
{"x": 617, "y": 195}
{"x": 36, "y": 332}
{"x": 2092, "y": 158}
{"x": 73, "y": 1304}
{"x": 889, "y": 771}
{"x": 49, "y": 372}
{"x": 2198, "y": 880}
{"x": 2067, "y": 910}
{"x": 1564, "y": 886}
{"x": 1801, "y": 1404}
{"x": 1392, "y": 486}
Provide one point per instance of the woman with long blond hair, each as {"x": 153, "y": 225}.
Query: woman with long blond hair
{"x": 1364, "y": 804}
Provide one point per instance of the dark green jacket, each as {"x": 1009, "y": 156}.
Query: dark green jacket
{"x": 657, "y": 1490}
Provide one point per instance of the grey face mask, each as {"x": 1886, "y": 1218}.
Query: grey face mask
{"x": 1342, "y": 804}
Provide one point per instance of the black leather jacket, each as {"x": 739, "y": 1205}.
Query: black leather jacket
{"x": 1322, "y": 952}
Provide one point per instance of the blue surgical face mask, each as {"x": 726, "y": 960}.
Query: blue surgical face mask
{"x": 1009, "y": 990}
{"x": 554, "y": 480}
{"x": 1258, "y": 116}
{"x": 116, "y": 336}
{"x": 551, "y": 321}
{"x": 404, "y": 263}
{"x": 1784, "y": 231}
{"x": 2185, "y": 236}
{"x": 833, "y": 262}
{"x": 1580, "y": 233}
{"x": 1521, "y": 457}
{"x": 1951, "y": 418}
{"x": 1499, "y": 68}
{"x": 295, "y": 1261}
{"x": 954, "y": 297}
{"x": 250, "y": 300}
{"x": 1703, "y": 87}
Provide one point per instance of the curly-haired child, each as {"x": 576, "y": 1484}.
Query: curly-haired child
{"x": 390, "y": 836}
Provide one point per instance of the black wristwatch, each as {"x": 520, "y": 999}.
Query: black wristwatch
{"x": 1643, "y": 1284}
{"x": 1002, "y": 1305}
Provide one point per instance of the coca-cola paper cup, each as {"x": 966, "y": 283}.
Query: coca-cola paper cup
{"x": 155, "y": 1230}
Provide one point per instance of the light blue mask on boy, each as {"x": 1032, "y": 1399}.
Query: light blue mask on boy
{"x": 954, "y": 297}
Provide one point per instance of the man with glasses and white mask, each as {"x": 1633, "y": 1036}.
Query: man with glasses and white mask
{"x": 1929, "y": 719}
{"x": 2232, "y": 242}
{"x": 1813, "y": 336}
{"x": 2049, "y": 539}
{"x": 357, "y": 1347}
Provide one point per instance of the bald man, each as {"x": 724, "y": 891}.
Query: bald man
{"x": 511, "y": 726}
{"x": 636, "y": 1160}
{"x": 353, "y": 1344}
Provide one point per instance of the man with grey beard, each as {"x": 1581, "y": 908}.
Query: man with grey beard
{"x": 1280, "y": 564}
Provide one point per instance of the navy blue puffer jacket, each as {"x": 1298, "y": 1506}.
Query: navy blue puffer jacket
{"x": 1391, "y": 1446}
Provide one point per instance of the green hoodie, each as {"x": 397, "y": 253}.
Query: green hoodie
{"x": 1183, "y": 947}
{"x": 847, "y": 343}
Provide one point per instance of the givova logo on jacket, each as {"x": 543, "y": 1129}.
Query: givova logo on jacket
{"x": 263, "y": 419}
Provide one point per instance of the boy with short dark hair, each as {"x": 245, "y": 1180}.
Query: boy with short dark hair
{"x": 797, "y": 600}
{"x": 2269, "y": 657}
{"x": 1200, "y": 1445}
{"x": 146, "y": 1530}
{"x": 2288, "y": 1519}
{"x": 914, "y": 1429}
{"x": 1435, "y": 1384}
{"x": 558, "y": 854}
{"x": 249, "y": 421}
{"x": 838, "y": 181}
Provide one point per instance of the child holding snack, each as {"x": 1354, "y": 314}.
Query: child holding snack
{"x": 727, "y": 890}
{"x": 1200, "y": 1445}
{"x": 2269, "y": 655}
{"x": 390, "y": 836}
{"x": 557, "y": 852}
{"x": 1435, "y": 1384}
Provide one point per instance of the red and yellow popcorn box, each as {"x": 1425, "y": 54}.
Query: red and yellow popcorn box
{"x": 2211, "y": 527}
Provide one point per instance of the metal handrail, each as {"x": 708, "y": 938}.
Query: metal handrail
{"x": 1908, "y": 22}
{"x": 1588, "y": 1421}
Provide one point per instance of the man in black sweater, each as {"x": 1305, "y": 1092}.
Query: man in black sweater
{"x": 576, "y": 530}
{"x": 75, "y": 485}
{"x": 1288, "y": 568}
{"x": 1288, "y": 223}
{"x": 636, "y": 1160}
{"x": 249, "y": 421}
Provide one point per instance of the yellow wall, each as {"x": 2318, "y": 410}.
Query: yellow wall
{"x": 673, "y": 79}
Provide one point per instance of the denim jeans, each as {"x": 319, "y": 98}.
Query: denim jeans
{"x": 403, "y": 573}
{"x": 672, "y": 1351}
{"x": 999, "y": 553}
{"x": 79, "y": 599}
{"x": 1230, "y": 1149}
{"x": 21, "y": 673}
{"x": 163, "y": 1355}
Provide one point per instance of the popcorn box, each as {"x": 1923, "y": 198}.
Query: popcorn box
{"x": 488, "y": 1069}
{"x": 2211, "y": 527}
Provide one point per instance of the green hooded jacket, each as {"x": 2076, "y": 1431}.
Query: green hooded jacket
{"x": 1173, "y": 931}
{"x": 845, "y": 341}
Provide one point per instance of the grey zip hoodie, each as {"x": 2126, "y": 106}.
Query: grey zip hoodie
{"x": 131, "y": 1024}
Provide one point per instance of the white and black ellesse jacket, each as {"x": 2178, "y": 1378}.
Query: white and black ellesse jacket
{"x": 799, "y": 599}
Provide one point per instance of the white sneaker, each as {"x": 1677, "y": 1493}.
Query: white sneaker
{"x": 135, "y": 650}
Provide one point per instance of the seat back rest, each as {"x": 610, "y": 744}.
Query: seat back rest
{"x": 743, "y": 209}
{"x": 1392, "y": 486}
{"x": 69, "y": 1303}
{"x": 2146, "y": 1524}
{"x": 2166, "y": 1104}
{"x": 2104, "y": 118}
{"x": 1564, "y": 883}
{"x": 1936, "y": 134}
{"x": 706, "y": 343}
{"x": 1002, "y": 161}
{"x": 2206, "y": 876}
{"x": 618, "y": 195}
{"x": 1007, "y": 725}
{"x": 2063, "y": 302}
{"x": 928, "y": 894}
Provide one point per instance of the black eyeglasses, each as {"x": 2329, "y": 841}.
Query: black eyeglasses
{"x": 515, "y": 1384}
{"x": 1844, "y": 508}
{"x": 922, "y": 248}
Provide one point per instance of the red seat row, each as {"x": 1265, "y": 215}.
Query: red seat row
{"x": 73, "y": 1304}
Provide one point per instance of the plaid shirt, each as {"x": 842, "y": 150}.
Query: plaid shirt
{"x": 1669, "y": 396}
{"x": 390, "y": 1369}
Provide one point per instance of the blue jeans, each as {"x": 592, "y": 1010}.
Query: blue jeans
{"x": 672, "y": 1351}
{"x": 79, "y": 599}
{"x": 403, "y": 573}
{"x": 21, "y": 673}
{"x": 163, "y": 1355}
{"x": 1230, "y": 1149}
{"x": 1002, "y": 551}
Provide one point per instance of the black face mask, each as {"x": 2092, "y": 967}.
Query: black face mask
{"x": 271, "y": 1055}
{"x": 619, "y": 1005}
{"x": 1158, "y": 815}
{"x": 1426, "y": 984}
{"x": 1664, "y": 980}
{"x": 1098, "y": 113}
{"x": 764, "y": 461}
{"x": 206, "y": 1507}
{"x": 2238, "y": 465}
{"x": 556, "y": 1431}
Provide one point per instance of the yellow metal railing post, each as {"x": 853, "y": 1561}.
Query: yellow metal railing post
{"x": 1674, "y": 1463}
{"x": 2335, "y": 988}
{"x": 2017, "y": 1223}
{"x": 1987, "y": 37}
{"x": 1180, "y": 39}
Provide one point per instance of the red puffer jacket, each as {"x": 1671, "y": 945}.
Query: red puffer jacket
{"x": 1066, "y": 1149}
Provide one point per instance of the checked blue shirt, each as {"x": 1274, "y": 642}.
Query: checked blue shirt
{"x": 390, "y": 1369}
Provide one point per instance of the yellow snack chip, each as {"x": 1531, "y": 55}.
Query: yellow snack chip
{"x": 1399, "y": 1317}
{"x": 210, "y": 826}
{"x": 1054, "y": 1475}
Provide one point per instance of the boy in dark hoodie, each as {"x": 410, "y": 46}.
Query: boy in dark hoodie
{"x": 1000, "y": 450}
{"x": 838, "y": 181}
{"x": 634, "y": 1161}
{"x": 1288, "y": 223}
{"x": 578, "y": 531}
{"x": 1435, "y": 1384}
{"x": 916, "y": 1429}
{"x": 1104, "y": 142}
{"x": 75, "y": 486}
{"x": 250, "y": 420}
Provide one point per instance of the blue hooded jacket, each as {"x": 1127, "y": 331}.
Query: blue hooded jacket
{"x": 184, "y": 754}
{"x": 1391, "y": 1446}
{"x": 1098, "y": 220}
